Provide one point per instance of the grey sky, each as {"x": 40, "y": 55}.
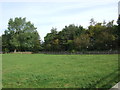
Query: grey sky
{"x": 47, "y": 14}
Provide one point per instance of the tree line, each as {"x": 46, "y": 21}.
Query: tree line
{"x": 22, "y": 35}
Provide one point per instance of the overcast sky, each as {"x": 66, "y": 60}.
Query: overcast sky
{"x": 45, "y": 14}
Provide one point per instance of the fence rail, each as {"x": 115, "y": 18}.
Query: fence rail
{"x": 86, "y": 52}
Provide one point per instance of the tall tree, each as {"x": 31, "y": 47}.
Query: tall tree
{"x": 51, "y": 41}
{"x": 103, "y": 36}
{"x": 22, "y": 35}
{"x": 68, "y": 34}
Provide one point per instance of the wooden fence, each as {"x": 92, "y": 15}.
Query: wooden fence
{"x": 86, "y": 52}
{"x": 21, "y": 52}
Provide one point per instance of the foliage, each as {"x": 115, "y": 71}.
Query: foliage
{"x": 51, "y": 41}
{"x": 82, "y": 42}
{"x": 103, "y": 37}
{"x": 98, "y": 36}
{"x": 21, "y": 36}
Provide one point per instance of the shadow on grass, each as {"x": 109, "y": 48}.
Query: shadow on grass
{"x": 108, "y": 81}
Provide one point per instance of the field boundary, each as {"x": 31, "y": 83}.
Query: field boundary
{"x": 86, "y": 52}
{"x": 22, "y": 52}
{"x": 65, "y": 52}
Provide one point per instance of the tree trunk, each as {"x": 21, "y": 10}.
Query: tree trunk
{"x": 15, "y": 51}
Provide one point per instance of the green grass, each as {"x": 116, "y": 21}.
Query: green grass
{"x": 59, "y": 71}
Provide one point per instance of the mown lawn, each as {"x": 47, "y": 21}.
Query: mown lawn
{"x": 59, "y": 71}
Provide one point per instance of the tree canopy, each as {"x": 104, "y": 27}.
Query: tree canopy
{"x": 21, "y": 35}
{"x": 98, "y": 36}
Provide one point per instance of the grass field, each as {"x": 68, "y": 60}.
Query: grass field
{"x": 59, "y": 71}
